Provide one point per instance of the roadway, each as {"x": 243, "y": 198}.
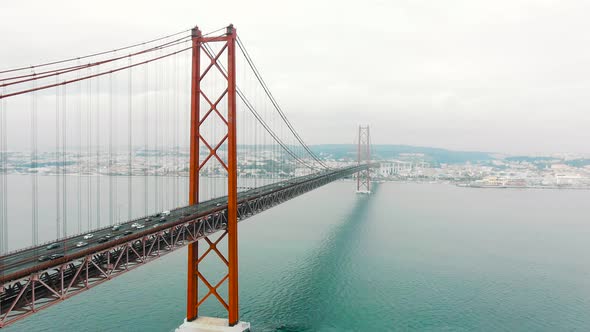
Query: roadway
{"x": 19, "y": 262}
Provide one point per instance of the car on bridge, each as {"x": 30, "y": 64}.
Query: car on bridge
{"x": 56, "y": 256}
{"x": 43, "y": 258}
{"x": 88, "y": 236}
{"x": 53, "y": 246}
{"x": 81, "y": 244}
{"x": 116, "y": 228}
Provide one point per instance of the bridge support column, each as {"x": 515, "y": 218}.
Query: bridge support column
{"x": 193, "y": 198}
{"x": 232, "y": 175}
{"x": 213, "y": 61}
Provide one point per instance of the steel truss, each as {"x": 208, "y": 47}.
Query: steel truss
{"x": 74, "y": 274}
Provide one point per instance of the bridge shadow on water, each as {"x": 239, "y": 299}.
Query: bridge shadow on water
{"x": 309, "y": 293}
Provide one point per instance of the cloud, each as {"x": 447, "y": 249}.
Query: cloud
{"x": 509, "y": 76}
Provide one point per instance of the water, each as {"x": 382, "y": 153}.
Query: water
{"x": 424, "y": 257}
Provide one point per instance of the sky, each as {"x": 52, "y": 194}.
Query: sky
{"x": 508, "y": 76}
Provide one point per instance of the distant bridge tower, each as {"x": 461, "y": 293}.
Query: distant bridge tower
{"x": 363, "y": 180}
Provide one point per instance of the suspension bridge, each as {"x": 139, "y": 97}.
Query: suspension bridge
{"x": 111, "y": 160}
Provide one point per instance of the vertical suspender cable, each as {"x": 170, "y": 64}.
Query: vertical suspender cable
{"x": 163, "y": 110}
{"x": 157, "y": 138}
{"x": 112, "y": 188}
{"x": 169, "y": 122}
{"x": 175, "y": 132}
{"x": 255, "y": 150}
{"x": 145, "y": 139}
{"x": 275, "y": 164}
{"x": 265, "y": 146}
{"x": 166, "y": 133}
{"x": 186, "y": 121}
{"x": 64, "y": 147}
{"x": 79, "y": 158}
{"x": 33, "y": 169}
{"x": 57, "y": 172}
{"x": 129, "y": 143}
{"x": 172, "y": 134}
{"x": 3, "y": 177}
{"x": 98, "y": 177}
{"x": 217, "y": 176}
{"x": 280, "y": 156}
{"x": 88, "y": 153}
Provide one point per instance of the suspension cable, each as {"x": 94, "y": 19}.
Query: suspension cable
{"x": 94, "y": 54}
{"x": 250, "y": 107}
{"x": 37, "y": 76}
{"x": 275, "y": 103}
{"x": 269, "y": 130}
{"x": 93, "y": 75}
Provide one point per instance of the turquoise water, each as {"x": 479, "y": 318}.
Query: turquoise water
{"x": 424, "y": 257}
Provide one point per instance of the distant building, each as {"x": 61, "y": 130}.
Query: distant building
{"x": 394, "y": 167}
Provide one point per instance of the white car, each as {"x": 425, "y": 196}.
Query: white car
{"x": 166, "y": 213}
{"x": 139, "y": 226}
{"x": 116, "y": 227}
{"x": 134, "y": 225}
{"x": 88, "y": 236}
{"x": 81, "y": 244}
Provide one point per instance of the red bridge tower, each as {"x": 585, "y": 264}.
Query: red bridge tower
{"x": 363, "y": 180}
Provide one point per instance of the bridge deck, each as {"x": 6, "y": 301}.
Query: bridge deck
{"x": 28, "y": 283}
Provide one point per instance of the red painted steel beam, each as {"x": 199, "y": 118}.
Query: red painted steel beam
{"x": 232, "y": 197}
{"x": 193, "y": 248}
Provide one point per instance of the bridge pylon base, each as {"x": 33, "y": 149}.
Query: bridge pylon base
{"x": 212, "y": 324}
{"x": 364, "y": 192}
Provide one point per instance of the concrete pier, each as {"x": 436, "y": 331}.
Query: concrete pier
{"x": 212, "y": 324}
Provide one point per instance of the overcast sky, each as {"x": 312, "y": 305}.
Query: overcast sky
{"x": 503, "y": 76}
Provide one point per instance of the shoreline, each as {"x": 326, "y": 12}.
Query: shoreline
{"x": 467, "y": 185}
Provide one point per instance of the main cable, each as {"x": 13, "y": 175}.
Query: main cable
{"x": 59, "y": 71}
{"x": 92, "y": 76}
{"x": 250, "y": 107}
{"x": 275, "y": 103}
{"x": 94, "y": 54}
